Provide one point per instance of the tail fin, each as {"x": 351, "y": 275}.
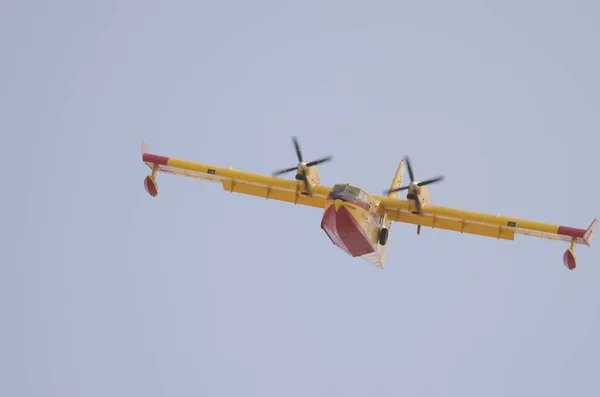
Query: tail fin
{"x": 397, "y": 180}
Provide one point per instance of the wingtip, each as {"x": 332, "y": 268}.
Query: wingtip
{"x": 144, "y": 147}
{"x": 590, "y": 232}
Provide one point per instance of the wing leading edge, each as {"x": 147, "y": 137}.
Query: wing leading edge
{"x": 496, "y": 226}
{"x": 233, "y": 180}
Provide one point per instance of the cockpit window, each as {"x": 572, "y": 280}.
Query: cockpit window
{"x": 338, "y": 189}
{"x": 348, "y": 193}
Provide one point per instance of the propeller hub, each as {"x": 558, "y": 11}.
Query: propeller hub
{"x": 414, "y": 186}
{"x": 302, "y": 166}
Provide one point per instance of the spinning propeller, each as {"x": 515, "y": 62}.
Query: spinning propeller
{"x": 302, "y": 166}
{"x": 414, "y": 185}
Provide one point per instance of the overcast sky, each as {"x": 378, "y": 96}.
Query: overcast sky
{"x": 106, "y": 291}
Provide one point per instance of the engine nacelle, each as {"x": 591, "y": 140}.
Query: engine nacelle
{"x": 312, "y": 175}
{"x": 421, "y": 194}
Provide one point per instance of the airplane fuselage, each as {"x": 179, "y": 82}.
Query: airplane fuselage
{"x": 353, "y": 223}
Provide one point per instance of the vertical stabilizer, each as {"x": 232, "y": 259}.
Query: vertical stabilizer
{"x": 397, "y": 180}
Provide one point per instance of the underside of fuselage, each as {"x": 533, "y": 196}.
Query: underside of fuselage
{"x": 352, "y": 224}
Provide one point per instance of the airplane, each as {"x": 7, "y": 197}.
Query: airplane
{"x": 357, "y": 222}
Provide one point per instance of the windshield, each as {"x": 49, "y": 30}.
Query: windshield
{"x": 348, "y": 193}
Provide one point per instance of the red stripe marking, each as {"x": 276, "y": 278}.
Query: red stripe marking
{"x": 328, "y": 224}
{"x": 345, "y": 232}
{"x": 571, "y": 231}
{"x": 360, "y": 204}
{"x": 351, "y": 233}
{"x": 155, "y": 159}
{"x": 364, "y": 206}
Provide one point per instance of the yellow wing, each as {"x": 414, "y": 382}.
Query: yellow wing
{"x": 233, "y": 180}
{"x": 496, "y": 226}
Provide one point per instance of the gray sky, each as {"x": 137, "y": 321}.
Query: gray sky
{"x": 106, "y": 291}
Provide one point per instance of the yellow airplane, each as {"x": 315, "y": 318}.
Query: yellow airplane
{"x": 358, "y": 222}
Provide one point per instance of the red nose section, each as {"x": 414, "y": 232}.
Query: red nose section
{"x": 345, "y": 232}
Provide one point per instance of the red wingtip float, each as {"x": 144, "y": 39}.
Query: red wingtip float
{"x": 357, "y": 222}
{"x": 580, "y": 236}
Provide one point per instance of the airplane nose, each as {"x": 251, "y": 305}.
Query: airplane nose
{"x": 337, "y": 203}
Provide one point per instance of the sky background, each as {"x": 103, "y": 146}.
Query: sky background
{"x": 106, "y": 291}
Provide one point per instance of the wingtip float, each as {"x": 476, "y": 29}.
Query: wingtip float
{"x": 357, "y": 222}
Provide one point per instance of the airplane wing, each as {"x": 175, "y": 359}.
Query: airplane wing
{"x": 496, "y": 226}
{"x": 233, "y": 180}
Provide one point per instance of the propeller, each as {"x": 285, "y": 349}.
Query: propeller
{"x": 414, "y": 185}
{"x": 302, "y": 166}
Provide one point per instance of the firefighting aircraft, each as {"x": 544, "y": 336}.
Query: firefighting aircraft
{"x": 358, "y": 222}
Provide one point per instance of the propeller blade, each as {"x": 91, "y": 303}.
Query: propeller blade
{"x": 415, "y": 198}
{"x": 396, "y": 190}
{"x": 306, "y": 184}
{"x": 323, "y": 160}
{"x": 298, "y": 151}
{"x": 410, "y": 171}
{"x": 418, "y": 204}
{"x": 428, "y": 181}
{"x": 302, "y": 166}
{"x": 284, "y": 171}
